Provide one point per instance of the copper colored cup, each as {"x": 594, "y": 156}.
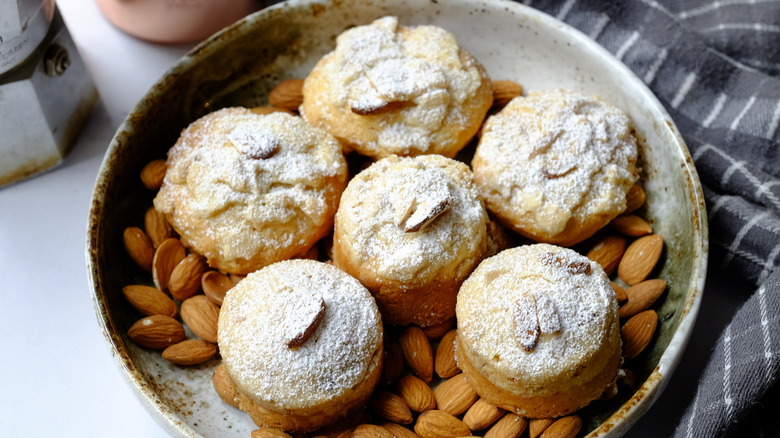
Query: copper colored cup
{"x": 175, "y": 21}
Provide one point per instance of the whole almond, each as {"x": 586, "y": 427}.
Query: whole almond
{"x": 538, "y": 425}
{"x": 416, "y": 393}
{"x": 390, "y": 407}
{"x": 641, "y": 296}
{"x": 153, "y": 174}
{"x": 565, "y": 427}
{"x": 287, "y": 94}
{"x": 439, "y": 424}
{"x": 455, "y": 395}
{"x": 499, "y": 238}
{"x": 201, "y": 316}
{"x": 509, "y": 426}
{"x": 445, "y": 364}
{"x": 418, "y": 352}
{"x": 370, "y": 431}
{"x": 312, "y": 253}
{"x": 631, "y": 225}
{"x": 236, "y": 278}
{"x": 168, "y": 254}
{"x": 637, "y": 332}
{"x": 215, "y": 285}
{"x": 139, "y": 247}
{"x": 346, "y": 433}
{"x": 436, "y": 331}
{"x": 607, "y": 252}
{"x": 157, "y": 227}
{"x": 267, "y": 432}
{"x": 149, "y": 301}
{"x": 620, "y": 293}
{"x": 156, "y": 332}
{"x": 344, "y": 428}
{"x": 185, "y": 277}
{"x": 190, "y": 352}
{"x": 482, "y": 414}
{"x": 640, "y": 258}
{"x": 504, "y": 91}
{"x": 263, "y": 110}
{"x": 635, "y": 198}
{"x": 224, "y": 386}
{"x": 399, "y": 431}
{"x": 393, "y": 365}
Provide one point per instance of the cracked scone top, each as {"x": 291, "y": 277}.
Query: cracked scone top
{"x": 246, "y": 190}
{"x": 538, "y": 330}
{"x": 411, "y": 229}
{"x": 389, "y": 89}
{"x": 556, "y": 165}
{"x": 302, "y": 340}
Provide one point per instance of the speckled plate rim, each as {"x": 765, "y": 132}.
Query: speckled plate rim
{"x": 644, "y": 397}
{"x": 157, "y": 407}
{"x": 615, "y": 425}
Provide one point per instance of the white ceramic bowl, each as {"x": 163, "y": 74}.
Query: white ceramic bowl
{"x": 241, "y": 63}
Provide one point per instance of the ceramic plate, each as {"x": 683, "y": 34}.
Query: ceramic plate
{"x": 240, "y": 64}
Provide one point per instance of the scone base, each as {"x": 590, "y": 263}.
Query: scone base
{"x": 403, "y": 304}
{"x": 334, "y": 411}
{"x": 576, "y": 231}
{"x": 549, "y": 406}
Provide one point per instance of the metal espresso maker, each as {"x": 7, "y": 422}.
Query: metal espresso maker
{"x": 46, "y": 93}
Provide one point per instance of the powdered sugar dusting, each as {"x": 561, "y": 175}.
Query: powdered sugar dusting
{"x": 572, "y": 312}
{"x": 303, "y": 318}
{"x": 549, "y": 321}
{"x": 419, "y": 68}
{"x": 239, "y": 183}
{"x": 526, "y": 322}
{"x": 558, "y": 155}
{"x": 380, "y": 68}
{"x": 257, "y": 145}
{"x": 268, "y": 305}
{"x": 368, "y": 217}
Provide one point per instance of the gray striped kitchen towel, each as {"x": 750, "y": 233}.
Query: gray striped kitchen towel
{"x": 715, "y": 65}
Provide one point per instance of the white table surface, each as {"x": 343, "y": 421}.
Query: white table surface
{"x": 58, "y": 375}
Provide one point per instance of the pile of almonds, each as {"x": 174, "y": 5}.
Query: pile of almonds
{"x": 632, "y": 251}
{"x": 421, "y": 393}
{"x": 184, "y": 287}
{"x": 407, "y": 405}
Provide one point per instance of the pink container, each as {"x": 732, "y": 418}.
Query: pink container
{"x": 175, "y": 21}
